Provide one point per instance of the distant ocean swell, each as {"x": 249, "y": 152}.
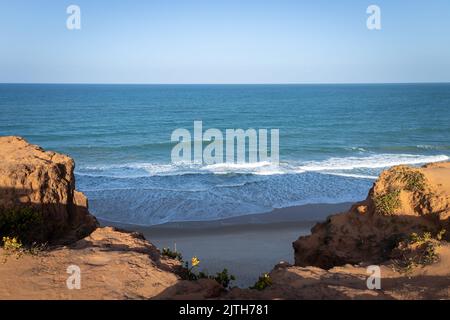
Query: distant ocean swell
{"x": 152, "y": 193}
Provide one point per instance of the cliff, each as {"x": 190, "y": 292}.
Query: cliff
{"x": 403, "y": 201}
{"x": 44, "y": 182}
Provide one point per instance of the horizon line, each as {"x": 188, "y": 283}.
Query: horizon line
{"x": 218, "y": 83}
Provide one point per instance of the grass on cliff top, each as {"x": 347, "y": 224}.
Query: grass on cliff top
{"x": 387, "y": 203}
{"x": 414, "y": 180}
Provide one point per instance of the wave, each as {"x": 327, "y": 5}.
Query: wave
{"x": 237, "y": 195}
{"x": 257, "y": 168}
{"x": 352, "y": 175}
{"x": 168, "y": 192}
{"x": 379, "y": 161}
{"x": 125, "y": 148}
{"x": 431, "y": 147}
{"x": 372, "y": 162}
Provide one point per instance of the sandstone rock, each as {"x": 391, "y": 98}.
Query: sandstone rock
{"x": 402, "y": 201}
{"x": 113, "y": 264}
{"x": 43, "y": 180}
{"x": 350, "y": 282}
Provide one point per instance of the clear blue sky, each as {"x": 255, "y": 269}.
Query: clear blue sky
{"x": 224, "y": 41}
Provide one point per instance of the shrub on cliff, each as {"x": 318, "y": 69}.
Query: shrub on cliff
{"x": 166, "y": 252}
{"x": 25, "y": 224}
{"x": 386, "y": 204}
{"x": 418, "y": 250}
{"x": 263, "y": 282}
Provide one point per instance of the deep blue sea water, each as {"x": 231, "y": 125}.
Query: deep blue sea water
{"x": 334, "y": 141}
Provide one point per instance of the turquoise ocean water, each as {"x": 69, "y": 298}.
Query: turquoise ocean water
{"x": 334, "y": 141}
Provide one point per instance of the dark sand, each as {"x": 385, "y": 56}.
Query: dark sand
{"x": 246, "y": 245}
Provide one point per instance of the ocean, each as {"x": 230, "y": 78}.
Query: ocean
{"x": 334, "y": 141}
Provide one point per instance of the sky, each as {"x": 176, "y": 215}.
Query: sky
{"x": 224, "y": 41}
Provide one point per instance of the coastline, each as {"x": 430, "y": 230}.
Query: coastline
{"x": 246, "y": 245}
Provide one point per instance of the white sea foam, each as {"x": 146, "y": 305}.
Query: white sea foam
{"x": 375, "y": 161}
{"x": 352, "y": 175}
{"x": 258, "y": 168}
{"x": 332, "y": 165}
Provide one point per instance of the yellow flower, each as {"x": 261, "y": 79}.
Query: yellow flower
{"x": 11, "y": 243}
{"x": 195, "y": 261}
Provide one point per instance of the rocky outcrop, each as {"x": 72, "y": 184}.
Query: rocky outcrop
{"x": 112, "y": 264}
{"x": 403, "y": 201}
{"x": 350, "y": 282}
{"x": 44, "y": 181}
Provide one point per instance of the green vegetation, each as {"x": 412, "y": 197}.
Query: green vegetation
{"x": 420, "y": 250}
{"x": 166, "y": 252}
{"x": 190, "y": 274}
{"x": 414, "y": 180}
{"x": 223, "y": 277}
{"x": 263, "y": 282}
{"x": 22, "y": 232}
{"x": 25, "y": 224}
{"x": 388, "y": 202}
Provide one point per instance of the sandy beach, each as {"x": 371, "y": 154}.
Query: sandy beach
{"x": 246, "y": 245}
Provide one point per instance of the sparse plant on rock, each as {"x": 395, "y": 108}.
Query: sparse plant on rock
{"x": 222, "y": 277}
{"x": 418, "y": 250}
{"x": 11, "y": 243}
{"x": 166, "y": 252}
{"x": 414, "y": 181}
{"x": 387, "y": 203}
{"x": 263, "y": 282}
{"x": 11, "y": 246}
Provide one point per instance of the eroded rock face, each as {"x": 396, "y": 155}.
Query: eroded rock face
{"x": 402, "y": 201}
{"x": 44, "y": 181}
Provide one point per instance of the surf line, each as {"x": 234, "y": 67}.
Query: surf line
{"x": 241, "y": 146}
